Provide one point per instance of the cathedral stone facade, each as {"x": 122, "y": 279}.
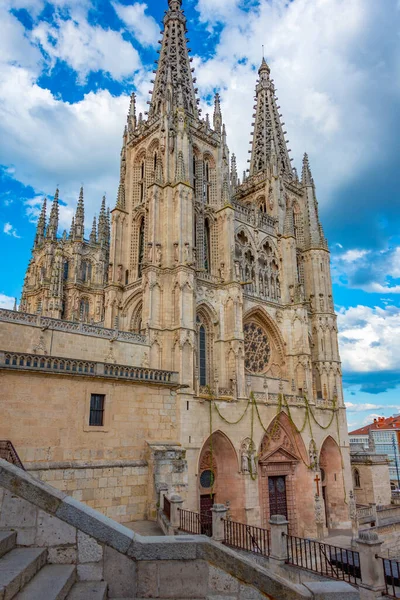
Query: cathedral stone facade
{"x": 227, "y": 283}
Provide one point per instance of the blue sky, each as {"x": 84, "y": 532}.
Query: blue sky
{"x": 67, "y": 69}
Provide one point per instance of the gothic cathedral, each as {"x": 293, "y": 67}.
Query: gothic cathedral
{"x": 229, "y": 282}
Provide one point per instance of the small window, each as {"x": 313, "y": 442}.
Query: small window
{"x": 96, "y": 418}
{"x": 357, "y": 481}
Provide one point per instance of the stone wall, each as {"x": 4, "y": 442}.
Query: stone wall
{"x": 120, "y": 492}
{"x": 374, "y": 478}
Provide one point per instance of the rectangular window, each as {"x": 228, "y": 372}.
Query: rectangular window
{"x": 96, "y": 418}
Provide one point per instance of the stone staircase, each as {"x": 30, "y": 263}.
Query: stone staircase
{"x": 25, "y": 575}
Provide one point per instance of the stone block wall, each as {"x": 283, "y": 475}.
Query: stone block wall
{"x": 120, "y": 492}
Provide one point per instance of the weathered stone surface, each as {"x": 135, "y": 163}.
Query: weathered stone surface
{"x": 246, "y": 592}
{"x": 53, "y": 582}
{"x": 90, "y": 572}
{"x": 53, "y": 532}
{"x": 95, "y": 524}
{"x": 220, "y": 581}
{"x": 17, "y": 512}
{"x": 8, "y": 540}
{"x": 62, "y": 555}
{"x": 164, "y": 548}
{"x": 89, "y": 591}
{"x": 120, "y": 574}
{"x": 147, "y": 579}
{"x": 25, "y": 486}
{"x": 326, "y": 590}
{"x": 182, "y": 578}
{"x": 18, "y": 567}
{"x": 89, "y": 551}
{"x": 26, "y": 537}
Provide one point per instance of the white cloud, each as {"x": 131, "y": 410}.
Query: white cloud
{"x": 353, "y": 255}
{"x": 87, "y": 48}
{"x": 6, "y": 301}
{"x": 355, "y": 408}
{"x": 369, "y": 339}
{"x": 374, "y": 271}
{"x": 144, "y": 27}
{"x": 322, "y": 57}
{"x": 8, "y": 229}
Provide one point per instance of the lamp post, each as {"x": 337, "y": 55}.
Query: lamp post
{"x": 395, "y": 459}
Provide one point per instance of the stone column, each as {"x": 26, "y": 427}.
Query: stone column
{"x": 373, "y": 580}
{"x": 218, "y": 514}
{"x": 278, "y": 549}
{"x": 176, "y": 504}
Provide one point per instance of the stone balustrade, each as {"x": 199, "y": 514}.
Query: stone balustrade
{"x": 254, "y": 217}
{"x": 69, "y": 366}
{"x": 13, "y": 316}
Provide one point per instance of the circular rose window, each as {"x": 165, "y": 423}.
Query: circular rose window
{"x": 256, "y": 348}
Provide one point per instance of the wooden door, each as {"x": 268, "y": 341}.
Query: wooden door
{"x": 277, "y": 496}
{"x": 206, "y": 504}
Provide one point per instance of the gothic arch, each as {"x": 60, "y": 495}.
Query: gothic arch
{"x": 281, "y": 433}
{"x": 259, "y": 314}
{"x": 140, "y": 155}
{"x": 204, "y": 350}
{"x": 331, "y": 465}
{"x": 228, "y": 486}
{"x": 136, "y": 320}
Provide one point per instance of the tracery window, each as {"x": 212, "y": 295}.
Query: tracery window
{"x": 256, "y": 348}
{"x": 202, "y": 353}
{"x": 207, "y": 253}
{"x": 194, "y": 175}
{"x": 66, "y": 270}
{"x": 86, "y": 270}
{"x": 206, "y": 181}
{"x": 141, "y": 248}
{"x": 84, "y": 310}
{"x": 142, "y": 182}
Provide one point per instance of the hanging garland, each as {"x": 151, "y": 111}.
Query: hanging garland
{"x": 282, "y": 404}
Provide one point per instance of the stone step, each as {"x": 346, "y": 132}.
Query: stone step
{"x": 8, "y": 541}
{"x": 53, "y": 582}
{"x": 88, "y": 590}
{"x": 18, "y": 567}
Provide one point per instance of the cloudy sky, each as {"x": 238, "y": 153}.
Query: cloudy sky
{"x": 67, "y": 68}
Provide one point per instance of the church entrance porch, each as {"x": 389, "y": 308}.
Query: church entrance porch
{"x": 285, "y": 481}
{"x": 333, "y": 491}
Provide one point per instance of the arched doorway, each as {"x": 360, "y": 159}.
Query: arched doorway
{"x": 285, "y": 482}
{"x": 219, "y": 480}
{"x": 333, "y": 491}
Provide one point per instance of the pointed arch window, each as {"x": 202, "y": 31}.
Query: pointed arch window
{"x": 86, "y": 270}
{"x": 66, "y": 270}
{"x": 84, "y": 310}
{"x": 206, "y": 181}
{"x": 207, "y": 255}
{"x": 141, "y": 248}
{"x": 141, "y": 183}
{"x": 194, "y": 175}
{"x": 202, "y": 350}
{"x": 357, "y": 478}
{"x": 155, "y": 160}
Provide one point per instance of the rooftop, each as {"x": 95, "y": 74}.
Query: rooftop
{"x": 391, "y": 423}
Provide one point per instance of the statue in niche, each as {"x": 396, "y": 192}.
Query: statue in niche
{"x": 313, "y": 455}
{"x": 110, "y": 273}
{"x": 187, "y": 254}
{"x": 237, "y": 270}
{"x": 150, "y": 252}
{"x": 176, "y": 251}
{"x": 119, "y": 273}
{"x": 145, "y": 361}
{"x": 158, "y": 254}
{"x": 171, "y": 140}
{"x": 248, "y": 457}
{"x": 222, "y": 271}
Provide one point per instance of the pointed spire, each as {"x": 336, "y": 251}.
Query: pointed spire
{"x": 53, "y": 222}
{"x": 132, "y": 111}
{"x": 93, "y": 233}
{"x": 225, "y": 192}
{"x": 217, "y": 121}
{"x": 80, "y": 217}
{"x": 15, "y": 304}
{"x": 41, "y": 226}
{"x": 234, "y": 173}
{"x": 72, "y": 229}
{"x": 268, "y": 135}
{"x": 174, "y": 69}
{"x": 306, "y": 177}
{"x": 121, "y": 187}
{"x": 102, "y": 230}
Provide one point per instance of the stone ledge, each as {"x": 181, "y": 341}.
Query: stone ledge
{"x": 83, "y": 464}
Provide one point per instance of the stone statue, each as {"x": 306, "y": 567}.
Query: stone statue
{"x": 176, "y": 251}
{"x": 158, "y": 254}
{"x": 119, "y": 274}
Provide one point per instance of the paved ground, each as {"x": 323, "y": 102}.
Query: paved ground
{"x": 339, "y": 537}
{"x": 148, "y": 528}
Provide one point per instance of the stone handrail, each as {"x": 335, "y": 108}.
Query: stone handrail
{"x": 70, "y": 366}
{"x": 13, "y": 316}
{"x": 253, "y": 216}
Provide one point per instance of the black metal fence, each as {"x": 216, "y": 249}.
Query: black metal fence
{"x": 391, "y": 569}
{"x": 324, "y": 559}
{"x": 192, "y": 522}
{"x": 247, "y": 537}
{"x": 8, "y": 453}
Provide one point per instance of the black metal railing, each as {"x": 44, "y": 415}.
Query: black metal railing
{"x": 9, "y": 453}
{"x": 167, "y": 508}
{"x": 324, "y": 559}
{"x": 192, "y": 522}
{"x": 391, "y": 569}
{"x": 247, "y": 537}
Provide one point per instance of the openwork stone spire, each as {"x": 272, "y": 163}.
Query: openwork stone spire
{"x": 217, "y": 121}
{"x": 80, "y": 217}
{"x": 314, "y": 232}
{"x": 53, "y": 222}
{"x": 41, "y": 226}
{"x": 102, "y": 230}
{"x": 93, "y": 233}
{"x": 268, "y": 136}
{"x": 174, "y": 82}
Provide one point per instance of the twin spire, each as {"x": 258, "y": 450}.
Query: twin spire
{"x": 100, "y": 233}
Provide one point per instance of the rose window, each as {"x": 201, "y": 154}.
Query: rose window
{"x": 256, "y": 347}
